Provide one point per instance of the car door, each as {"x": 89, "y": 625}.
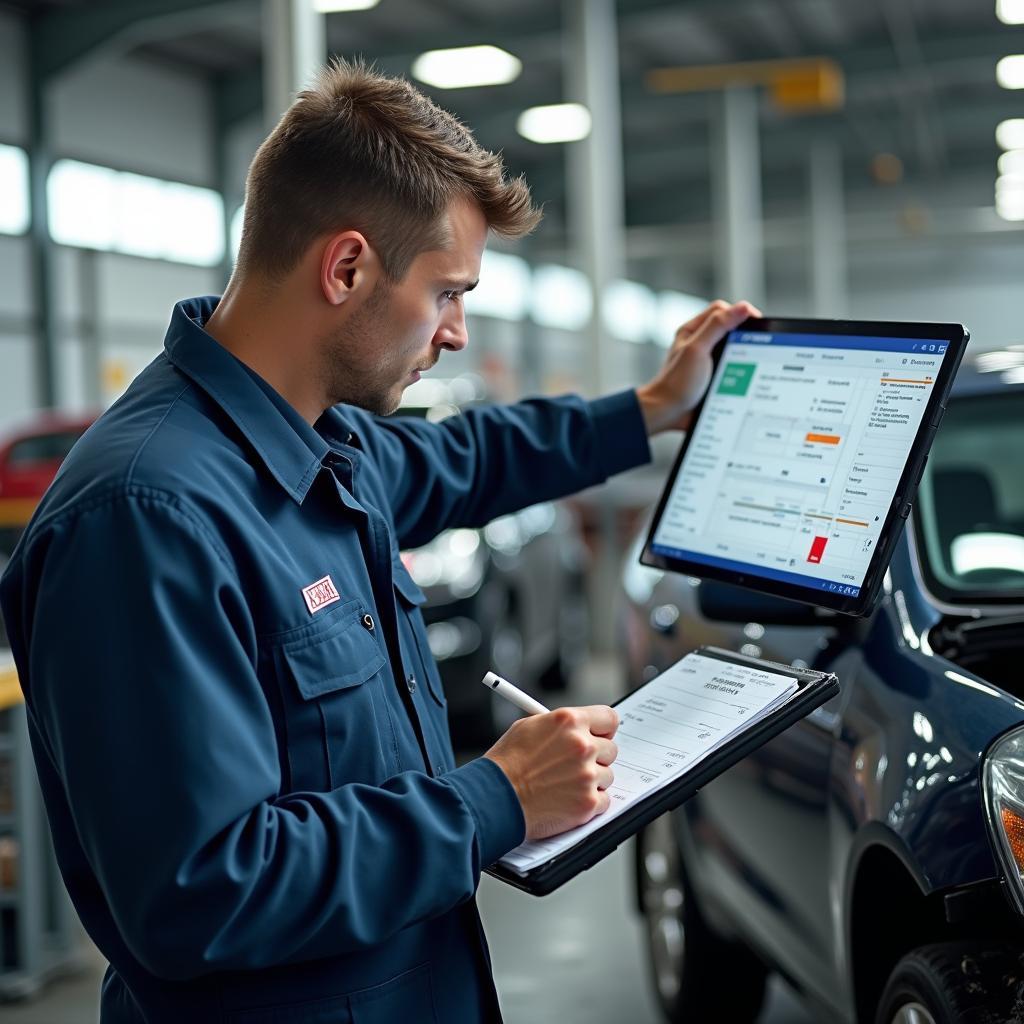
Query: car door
{"x": 761, "y": 832}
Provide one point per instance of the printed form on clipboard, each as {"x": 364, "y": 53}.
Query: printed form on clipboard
{"x": 667, "y": 727}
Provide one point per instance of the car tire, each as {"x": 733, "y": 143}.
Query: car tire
{"x": 697, "y": 975}
{"x": 954, "y": 983}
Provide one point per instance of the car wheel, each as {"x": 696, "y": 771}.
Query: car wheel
{"x": 697, "y": 975}
{"x": 951, "y": 982}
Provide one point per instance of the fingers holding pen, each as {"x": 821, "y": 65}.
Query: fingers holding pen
{"x": 560, "y": 766}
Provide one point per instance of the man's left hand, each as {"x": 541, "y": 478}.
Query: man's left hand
{"x": 668, "y": 401}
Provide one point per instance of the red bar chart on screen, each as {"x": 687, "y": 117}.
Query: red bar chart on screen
{"x": 817, "y": 549}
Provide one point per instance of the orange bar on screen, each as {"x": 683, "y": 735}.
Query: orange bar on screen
{"x": 823, "y": 438}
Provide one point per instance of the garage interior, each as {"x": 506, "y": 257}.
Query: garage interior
{"x": 819, "y": 158}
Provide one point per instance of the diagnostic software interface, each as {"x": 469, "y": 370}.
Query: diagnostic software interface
{"x": 797, "y": 456}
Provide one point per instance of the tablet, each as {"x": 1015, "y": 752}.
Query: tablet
{"x": 800, "y": 468}
{"x": 665, "y": 730}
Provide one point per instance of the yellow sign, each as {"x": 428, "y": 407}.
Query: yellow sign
{"x": 795, "y": 86}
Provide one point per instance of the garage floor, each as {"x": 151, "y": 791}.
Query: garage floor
{"x": 574, "y": 956}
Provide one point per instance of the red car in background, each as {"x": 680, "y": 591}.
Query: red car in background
{"x": 30, "y": 455}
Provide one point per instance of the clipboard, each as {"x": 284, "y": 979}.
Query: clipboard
{"x": 814, "y": 690}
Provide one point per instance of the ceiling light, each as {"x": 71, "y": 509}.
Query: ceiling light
{"x": 466, "y": 66}
{"x": 560, "y": 122}
{"x": 1010, "y": 12}
{"x": 1012, "y": 162}
{"x": 1009, "y": 201}
{"x": 1010, "y": 72}
{"x": 334, "y": 6}
{"x": 1010, "y": 133}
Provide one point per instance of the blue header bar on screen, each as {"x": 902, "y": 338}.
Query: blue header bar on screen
{"x": 750, "y": 569}
{"x": 928, "y": 346}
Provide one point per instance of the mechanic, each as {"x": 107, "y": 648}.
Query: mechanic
{"x": 235, "y": 716}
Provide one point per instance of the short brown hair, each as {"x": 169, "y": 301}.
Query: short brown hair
{"x": 364, "y": 151}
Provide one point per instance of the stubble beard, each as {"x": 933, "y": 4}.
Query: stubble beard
{"x": 351, "y": 374}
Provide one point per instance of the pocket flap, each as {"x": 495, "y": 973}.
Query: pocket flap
{"x": 406, "y": 585}
{"x": 345, "y": 658}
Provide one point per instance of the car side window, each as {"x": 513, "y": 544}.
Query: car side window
{"x": 42, "y": 448}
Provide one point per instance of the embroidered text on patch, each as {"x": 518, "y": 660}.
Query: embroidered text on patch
{"x": 320, "y": 594}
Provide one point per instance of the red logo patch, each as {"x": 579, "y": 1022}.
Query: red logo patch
{"x": 320, "y": 594}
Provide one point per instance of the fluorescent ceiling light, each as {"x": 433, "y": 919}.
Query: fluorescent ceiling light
{"x": 1010, "y": 12}
{"x": 334, "y": 6}
{"x": 560, "y": 122}
{"x": 1010, "y": 133}
{"x": 14, "y": 204}
{"x": 1010, "y": 71}
{"x": 1009, "y": 201}
{"x": 1012, "y": 162}
{"x": 466, "y": 66}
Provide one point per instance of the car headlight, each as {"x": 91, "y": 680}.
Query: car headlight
{"x": 1004, "y": 801}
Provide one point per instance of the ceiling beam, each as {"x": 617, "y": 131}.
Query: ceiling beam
{"x": 66, "y": 35}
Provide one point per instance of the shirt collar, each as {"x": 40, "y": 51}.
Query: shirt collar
{"x": 289, "y": 447}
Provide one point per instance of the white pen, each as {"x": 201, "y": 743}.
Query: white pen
{"x": 512, "y": 693}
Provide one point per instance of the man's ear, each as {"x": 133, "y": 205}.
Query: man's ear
{"x": 347, "y": 266}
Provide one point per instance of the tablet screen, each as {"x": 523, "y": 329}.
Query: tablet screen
{"x": 797, "y": 455}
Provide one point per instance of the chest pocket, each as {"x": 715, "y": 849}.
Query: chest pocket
{"x": 337, "y": 716}
{"x": 410, "y": 597}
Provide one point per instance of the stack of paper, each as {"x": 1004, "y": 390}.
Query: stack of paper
{"x": 665, "y": 728}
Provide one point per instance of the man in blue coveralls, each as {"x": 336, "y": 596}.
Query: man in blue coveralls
{"x": 235, "y": 716}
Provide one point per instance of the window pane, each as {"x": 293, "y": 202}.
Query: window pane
{"x": 99, "y": 208}
{"x": 14, "y": 202}
{"x": 972, "y": 497}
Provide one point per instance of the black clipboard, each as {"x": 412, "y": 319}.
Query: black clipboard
{"x": 815, "y": 689}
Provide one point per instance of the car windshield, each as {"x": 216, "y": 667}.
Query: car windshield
{"x": 971, "y": 501}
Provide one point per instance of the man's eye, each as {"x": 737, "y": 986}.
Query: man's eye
{"x": 451, "y": 295}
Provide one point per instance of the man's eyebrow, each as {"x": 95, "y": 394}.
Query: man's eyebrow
{"x": 457, "y": 283}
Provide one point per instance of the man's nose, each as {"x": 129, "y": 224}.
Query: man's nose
{"x": 452, "y": 334}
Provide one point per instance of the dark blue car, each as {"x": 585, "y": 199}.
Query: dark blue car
{"x": 872, "y": 854}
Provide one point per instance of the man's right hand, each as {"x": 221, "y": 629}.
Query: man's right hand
{"x": 558, "y": 764}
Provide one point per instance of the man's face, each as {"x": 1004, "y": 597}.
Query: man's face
{"x": 401, "y": 329}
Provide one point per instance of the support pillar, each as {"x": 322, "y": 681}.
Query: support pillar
{"x": 294, "y": 50}
{"x": 596, "y": 218}
{"x": 41, "y": 248}
{"x": 595, "y": 195}
{"x": 736, "y": 191}
{"x": 828, "y": 231}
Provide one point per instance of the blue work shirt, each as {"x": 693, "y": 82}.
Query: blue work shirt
{"x": 237, "y": 723}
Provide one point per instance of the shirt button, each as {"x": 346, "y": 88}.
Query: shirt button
{"x": 412, "y": 684}
{"x": 439, "y": 770}
{"x": 368, "y": 621}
